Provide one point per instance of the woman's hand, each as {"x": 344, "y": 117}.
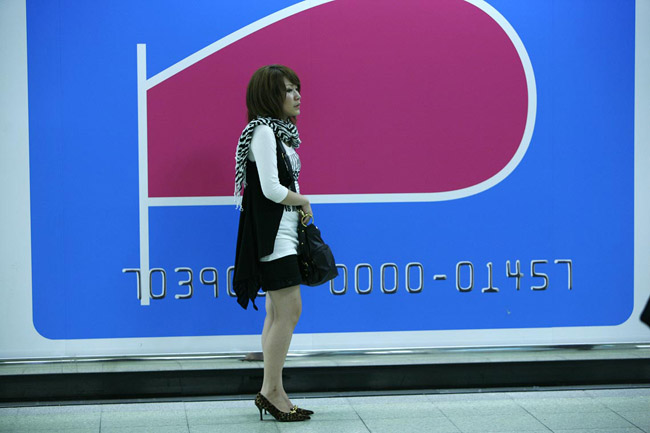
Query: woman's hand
{"x": 306, "y": 213}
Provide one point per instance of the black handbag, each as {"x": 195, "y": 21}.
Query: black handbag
{"x": 317, "y": 264}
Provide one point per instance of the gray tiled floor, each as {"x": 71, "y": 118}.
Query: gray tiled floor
{"x": 594, "y": 411}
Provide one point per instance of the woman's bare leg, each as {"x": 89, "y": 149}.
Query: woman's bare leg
{"x": 268, "y": 320}
{"x": 286, "y": 305}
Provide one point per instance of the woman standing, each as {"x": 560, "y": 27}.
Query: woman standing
{"x": 267, "y": 169}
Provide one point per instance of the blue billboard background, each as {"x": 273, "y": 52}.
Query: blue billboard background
{"x": 571, "y": 197}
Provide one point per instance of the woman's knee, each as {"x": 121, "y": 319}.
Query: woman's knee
{"x": 296, "y": 312}
{"x": 287, "y": 305}
{"x": 268, "y": 306}
{"x": 291, "y": 313}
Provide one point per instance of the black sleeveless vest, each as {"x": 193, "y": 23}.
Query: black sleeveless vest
{"x": 258, "y": 227}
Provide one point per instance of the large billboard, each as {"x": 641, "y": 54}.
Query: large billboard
{"x": 471, "y": 163}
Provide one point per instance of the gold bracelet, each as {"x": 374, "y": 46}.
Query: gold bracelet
{"x": 305, "y": 216}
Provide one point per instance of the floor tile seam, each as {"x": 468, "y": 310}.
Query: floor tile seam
{"x": 547, "y": 414}
{"x": 631, "y": 424}
{"x": 643, "y": 430}
{"x": 627, "y": 420}
{"x": 449, "y": 419}
{"x": 365, "y": 425}
{"x": 347, "y": 399}
{"x": 187, "y": 421}
{"x": 528, "y": 412}
{"x": 609, "y": 407}
{"x": 101, "y": 416}
{"x": 537, "y": 419}
{"x": 439, "y": 414}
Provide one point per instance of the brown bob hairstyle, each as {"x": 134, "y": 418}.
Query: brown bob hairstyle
{"x": 266, "y": 92}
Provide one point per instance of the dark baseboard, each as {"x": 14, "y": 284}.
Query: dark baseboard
{"x": 196, "y": 383}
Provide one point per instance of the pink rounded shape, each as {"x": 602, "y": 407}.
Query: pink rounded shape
{"x": 398, "y": 97}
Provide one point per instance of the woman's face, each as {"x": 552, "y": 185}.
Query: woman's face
{"x": 291, "y": 105}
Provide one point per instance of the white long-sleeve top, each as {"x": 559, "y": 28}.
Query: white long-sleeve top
{"x": 263, "y": 153}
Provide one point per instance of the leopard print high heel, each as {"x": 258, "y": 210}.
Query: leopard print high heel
{"x": 262, "y": 403}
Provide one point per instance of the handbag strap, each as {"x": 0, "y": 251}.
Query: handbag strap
{"x": 286, "y": 163}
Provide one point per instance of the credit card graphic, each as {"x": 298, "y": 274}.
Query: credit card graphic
{"x": 471, "y": 163}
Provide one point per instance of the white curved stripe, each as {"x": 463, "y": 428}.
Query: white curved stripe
{"x": 530, "y": 116}
{"x": 191, "y": 201}
{"x": 231, "y": 38}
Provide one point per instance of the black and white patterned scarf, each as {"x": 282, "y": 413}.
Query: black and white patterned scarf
{"x": 285, "y": 130}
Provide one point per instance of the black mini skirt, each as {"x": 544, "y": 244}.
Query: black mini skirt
{"x": 280, "y": 273}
